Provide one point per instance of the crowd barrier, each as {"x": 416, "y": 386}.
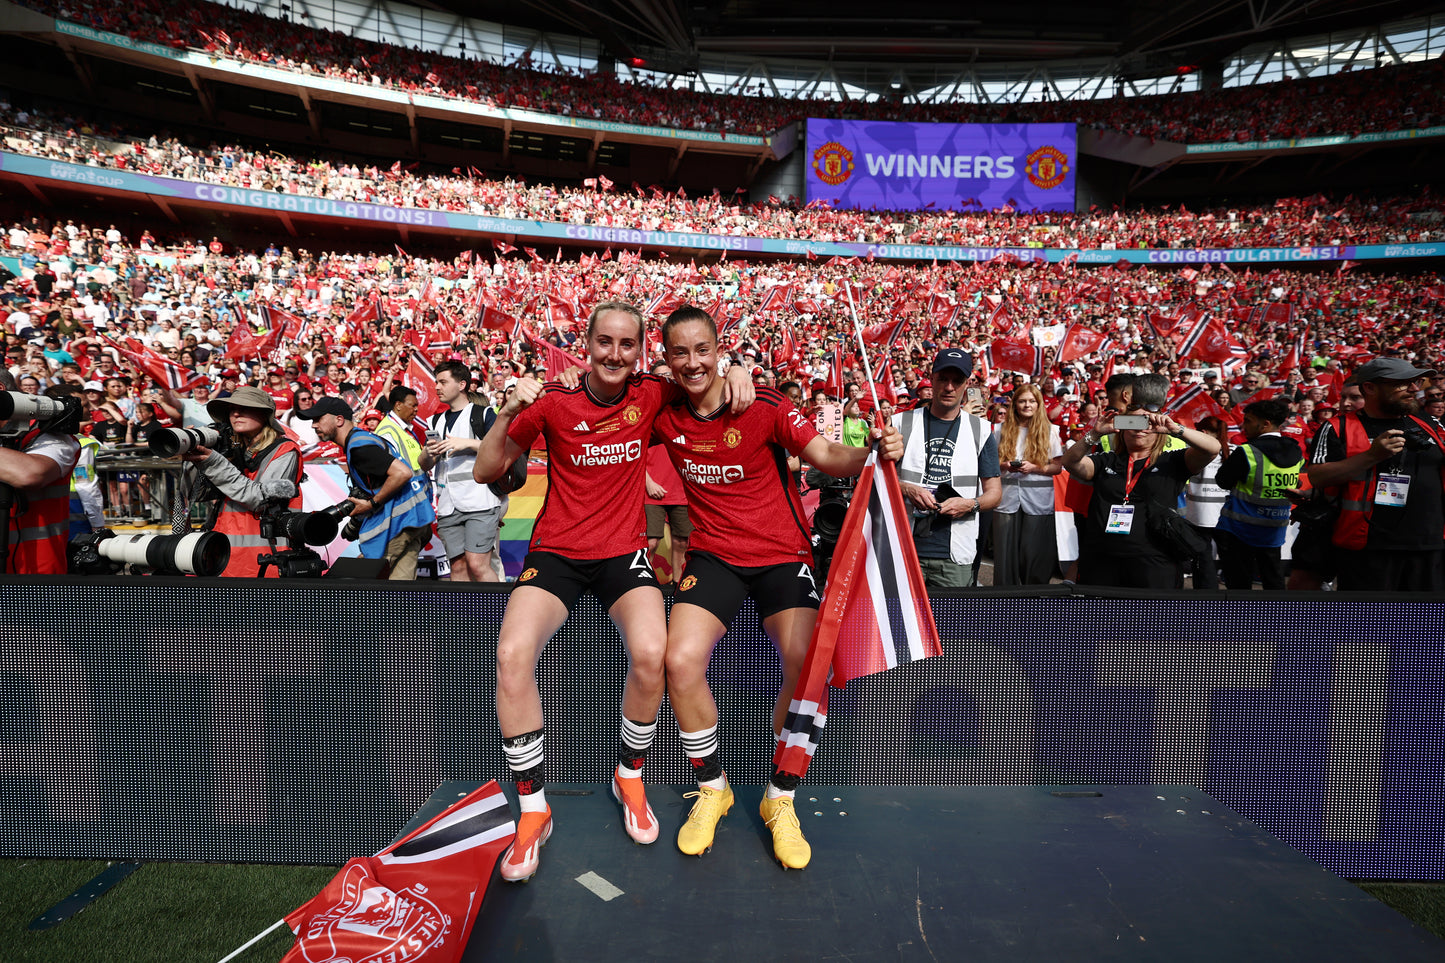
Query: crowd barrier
{"x": 241, "y": 720}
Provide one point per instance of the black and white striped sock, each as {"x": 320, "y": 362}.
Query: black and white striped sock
{"x": 702, "y": 750}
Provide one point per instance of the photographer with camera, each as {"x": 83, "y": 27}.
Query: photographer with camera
{"x": 262, "y": 467}
{"x": 38, "y": 452}
{"x": 394, "y": 509}
{"x": 1384, "y": 463}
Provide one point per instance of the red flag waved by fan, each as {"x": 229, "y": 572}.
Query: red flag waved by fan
{"x": 1207, "y": 340}
{"x": 421, "y": 378}
{"x": 1080, "y": 340}
{"x": 160, "y": 369}
{"x": 416, "y": 900}
{"x": 778, "y": 298}
{"x": 875, "y": 612}
{"x": 1021, "y": 356}
{"x": 1193, "y": 404}
{"x": 557, "y": 360}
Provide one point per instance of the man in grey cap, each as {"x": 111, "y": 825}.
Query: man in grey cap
{"x": 1384, "y": 463}
{"x": 949, "y": 473}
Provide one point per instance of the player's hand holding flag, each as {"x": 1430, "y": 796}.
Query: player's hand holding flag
{"x": 875, "y": 612}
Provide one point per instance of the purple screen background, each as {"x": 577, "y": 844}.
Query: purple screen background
{"x": 862, "y": 191}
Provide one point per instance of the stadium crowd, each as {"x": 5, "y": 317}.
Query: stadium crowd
{"x": 1399, "y": 97}
{"x": 1286, "y": 222}
{"x": 90, "y": 306}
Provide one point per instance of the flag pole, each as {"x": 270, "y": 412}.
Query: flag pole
{"x": 252, "y": 941}
{"x": 862, "y": 348}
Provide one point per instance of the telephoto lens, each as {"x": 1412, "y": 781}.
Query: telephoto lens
{"x": 170, "y": 442}
{"x": 197, "y": 553}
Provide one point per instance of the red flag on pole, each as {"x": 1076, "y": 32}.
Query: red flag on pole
{"x": 418, "y": 898}
{"x": 875, "y": 612}
{"x": 1193, "y": 404}
{"x": 785, "y": 351}
{"x": 779, "y": 296}
{"x": 1208, "y": 340}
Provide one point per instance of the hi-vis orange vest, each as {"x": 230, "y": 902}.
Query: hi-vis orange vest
{"x": 39, "y": 534}
{"x": 1357, "y": 496}
{"x": 243, "y": 528}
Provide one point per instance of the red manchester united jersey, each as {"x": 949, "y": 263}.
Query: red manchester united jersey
{"x": 597, "y": 454}
{"x": 740, "y": 496}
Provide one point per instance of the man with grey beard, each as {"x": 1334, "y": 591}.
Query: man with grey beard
{"x": 1385, "y": 463}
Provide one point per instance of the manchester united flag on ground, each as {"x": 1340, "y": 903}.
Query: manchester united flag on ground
{"x": 875, "y": 612}
{"x": 417, "y": 899}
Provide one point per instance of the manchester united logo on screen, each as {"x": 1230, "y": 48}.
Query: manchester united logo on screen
{"x": 1046, "y": 167}
{"x": 833, "y": 162}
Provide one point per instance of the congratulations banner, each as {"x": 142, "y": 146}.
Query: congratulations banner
{"x": 532, "y": 231}
{"x": 889, "y": 166}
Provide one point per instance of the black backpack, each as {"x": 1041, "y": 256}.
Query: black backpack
{"x": 483, "y": 418}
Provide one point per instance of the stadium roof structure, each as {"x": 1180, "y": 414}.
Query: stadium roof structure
{"x": 1141, "y": 36}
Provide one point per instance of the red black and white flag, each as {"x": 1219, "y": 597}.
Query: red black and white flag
{"x": 1007, "y": 355}
{"x": 785, "y": 348}
{"x": 1207, "y": 340}
{"x": 778, "y": 298}
{"x": 421, "y": 377}
{"x": 162, "y": 370}
{"x": 887, "y": 333}
{"x": 1193, "y": 404}
{"x": 555, "y": 359}
{"x": 497, "y": 320}
{"x": 1080, "y": 340}
{"x": 415, "y": 900}
{"x": 875, "y": 612}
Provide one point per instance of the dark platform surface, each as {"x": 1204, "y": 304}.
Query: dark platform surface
{"x": 937, "y": 874}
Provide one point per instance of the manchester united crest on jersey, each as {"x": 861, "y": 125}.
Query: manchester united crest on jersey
{"x": 732, "y": 437}
{"x": 687, "y": 583}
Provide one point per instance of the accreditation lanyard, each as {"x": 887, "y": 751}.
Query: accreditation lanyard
{"x": 1131, "y": 479}
{"x": 1121, "y": 517}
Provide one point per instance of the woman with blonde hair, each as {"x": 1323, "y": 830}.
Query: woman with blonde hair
{"x": 269, "y": 471}
{"x": 1025, "y": 550}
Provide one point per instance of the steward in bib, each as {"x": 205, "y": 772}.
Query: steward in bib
{"x": 394, "y": 507}
{"x": 1263, "y": 476}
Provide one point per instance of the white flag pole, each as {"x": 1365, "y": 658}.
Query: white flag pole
{"x": 252, "y": 941}
{"x": 862, "y": 348}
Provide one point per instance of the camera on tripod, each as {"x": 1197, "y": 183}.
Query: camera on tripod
{"x": 300, "y": 529}
{"x": 834, "y": 497}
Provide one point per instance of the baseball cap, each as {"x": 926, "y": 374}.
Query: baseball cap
{"x": 953, "y": 358}
{"x": 1388, "y": 369}
{"x": 327, "y": 406}
{"x": 93, "y": 386}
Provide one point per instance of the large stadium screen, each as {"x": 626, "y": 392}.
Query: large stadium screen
{"x": 893, "y": 166}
